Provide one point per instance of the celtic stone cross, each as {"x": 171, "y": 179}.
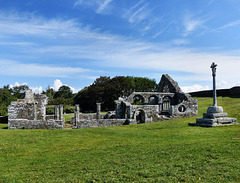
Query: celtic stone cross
{"x": 214, "y": 69}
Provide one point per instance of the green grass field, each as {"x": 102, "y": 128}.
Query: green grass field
{"x": 168, "y": 151}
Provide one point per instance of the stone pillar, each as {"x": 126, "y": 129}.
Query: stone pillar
{"x": 214, "y": 108}
{"x": 98, "y": 110}
{"x": 160, "y": 101}
{"x": 56, "y": 112}
{"x": 214, "y": 68}
{"x": 76, "y": 114}
{"x": 128, "y": 112}
{"x": 60, "y": 112}
{"x": 117, "y": 104}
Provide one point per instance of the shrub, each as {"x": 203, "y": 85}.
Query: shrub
{"x": 68, "y": 109}
{"x": 50, "y": 109}
{"x": 3, "y": 110}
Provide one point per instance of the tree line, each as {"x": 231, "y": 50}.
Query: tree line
{"x": 103, "y": 90}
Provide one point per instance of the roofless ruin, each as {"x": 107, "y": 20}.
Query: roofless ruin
{"x": 143, "y": 107}
{"x": 140, "y": 107}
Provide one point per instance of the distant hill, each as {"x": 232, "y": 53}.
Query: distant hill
{"x": 232, "y": 92}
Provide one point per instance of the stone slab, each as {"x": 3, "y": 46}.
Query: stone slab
{"x": 226, "y": 120}
{"x": 206, "y": 120}
{"x": 214, "y": 115}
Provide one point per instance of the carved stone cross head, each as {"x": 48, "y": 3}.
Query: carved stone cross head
{"x": 214, "y": 68}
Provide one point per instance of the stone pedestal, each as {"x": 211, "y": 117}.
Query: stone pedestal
{"x": 214, "y": 117}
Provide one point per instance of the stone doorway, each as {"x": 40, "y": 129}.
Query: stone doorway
{"x": 141, "y": 116}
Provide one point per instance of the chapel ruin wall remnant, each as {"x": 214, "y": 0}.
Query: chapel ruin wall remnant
{"x": 167, "y": 103}
{"x": 30, "y": 113}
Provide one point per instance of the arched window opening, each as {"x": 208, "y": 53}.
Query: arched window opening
{"x": 153, "y": 100}
{"x": 166, "y": 104}
{"x": 138, "y": 100}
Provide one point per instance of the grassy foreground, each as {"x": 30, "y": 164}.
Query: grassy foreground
{"x": 168, "y": 151}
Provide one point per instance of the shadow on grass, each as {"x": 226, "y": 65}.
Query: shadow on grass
{"x": 4, "y": 119}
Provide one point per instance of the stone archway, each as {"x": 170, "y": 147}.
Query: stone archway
{"x": 153, "y": 100}
{"x": 166, "y": 104}
{"x": 138, "y": 100}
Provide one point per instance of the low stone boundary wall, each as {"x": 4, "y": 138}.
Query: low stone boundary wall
{"x": 35, "y": 124}
{"x": 50, "y": 117}
{"x": 86, "y": 117}
{"x": 103, "y": 123}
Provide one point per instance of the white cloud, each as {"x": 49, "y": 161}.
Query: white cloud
{"x": 110, "y": 51}
{"x": 100, "y": 6}
{"x": 57, "y": 84}
{"x": 180, "y": 41}
{"x": 193, "y": 88}
{"x": 37, "y": 90}
{"x": 138, "y": 12}
{"x": 223, "y": 84}
{"x": 192, "y": 24}
{"x": 231, "y": 24}
{"x": 28, "y": 24}
{"x": 14, "y": 68}
{"x": 17, "y": 84}
{"x": 74, "y": 90}
{"x": 103, "y": 6}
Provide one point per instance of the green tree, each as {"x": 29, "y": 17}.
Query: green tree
{"x": 105, "y": 90}
{"x": 19, "y": 91}
{"x": 64, "y": 92}
{"x": 49, "y": 92}
{"x": 6, "y": 98}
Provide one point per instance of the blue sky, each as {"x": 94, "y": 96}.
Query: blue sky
{"x": 72, "y": 42}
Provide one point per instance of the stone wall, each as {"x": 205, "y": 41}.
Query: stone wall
{"x": 167, "y": 103}
{"x": 85, "y": 117}
{"x": 184, "y": 110}
{"x": 101, "y": 123}
{"x": 35, "y": 124}
{"x": 30, "y": 113}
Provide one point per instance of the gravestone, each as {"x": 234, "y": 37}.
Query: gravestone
{"x": 215, "y": 115}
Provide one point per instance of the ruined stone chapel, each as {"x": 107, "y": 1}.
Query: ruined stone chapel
{"x": 167, "y": 103}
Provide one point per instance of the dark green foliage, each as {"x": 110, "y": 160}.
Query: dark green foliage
{"x": 66, "y": 109}
{"x": 63, "y": 101}
{"x": 105, "y": 90}
{"x": 49, "y": 92}
{"x": 19, "y": 91}
{"x": 63, "y": 92}
{"x": 49, "y": 109}
{"x": 63, "y": 96}
{"x": 69, "y": 109}
{"x": 6, "y": 97}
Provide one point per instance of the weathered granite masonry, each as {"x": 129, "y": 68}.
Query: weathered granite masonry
{"x": 167, "y": 103}
{"x": 30, "y": 113}
{"x": 214, "y": 116}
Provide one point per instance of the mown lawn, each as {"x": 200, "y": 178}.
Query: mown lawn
{"x": 168, "y": 151}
